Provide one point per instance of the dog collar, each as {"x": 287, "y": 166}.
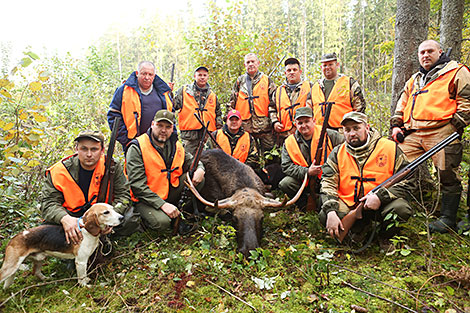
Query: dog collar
{"x": 78, "y": 223}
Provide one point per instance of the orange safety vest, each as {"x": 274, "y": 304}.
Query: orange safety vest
{"x": 131, "y": 109}
{"x": 241, "y": 148}
{"x": 286, "y": 109}
{"x": 432, "y": 102}
{"x": 296, "y": 155}
{"x": 158, "y": 175}
{"x": 380, "y": 165}
{"x": 186, "y": 118}
{"x": 260, "y": 104}
{"x": 74, "y": 198}
{"x": 340, "y": 95}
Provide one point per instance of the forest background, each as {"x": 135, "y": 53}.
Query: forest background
{"x": 47, "y": 98}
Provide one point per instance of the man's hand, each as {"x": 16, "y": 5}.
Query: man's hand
{"x": 278, "y": 127}
{"x": 333, "y": 224}
{"x": 198, "y": 176}
{"x": 170, "y": 210}
{"x": 371, "y": 201}
{"x": 395, "y": 132}
{"x": 72, "y": 233}
{"x": 314, "y": 170}
{"x": 171, "y": 85}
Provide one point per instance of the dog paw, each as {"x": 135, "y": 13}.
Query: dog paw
{"x": 40, "y": 276}
{"x": 84, "y": 282}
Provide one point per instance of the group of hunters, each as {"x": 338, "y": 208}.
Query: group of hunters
{"x": 355, "y": 158}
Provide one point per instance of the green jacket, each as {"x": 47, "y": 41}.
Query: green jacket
{"x": 136, "y": 170}
{"x": 296, "y": 171}
{"x": 52, "y": 199}
{"x": 330, "y": 176}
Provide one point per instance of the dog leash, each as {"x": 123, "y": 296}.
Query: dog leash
{"x": 78, "y": 223}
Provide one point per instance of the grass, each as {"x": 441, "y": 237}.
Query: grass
{"x": 297, "y": 269}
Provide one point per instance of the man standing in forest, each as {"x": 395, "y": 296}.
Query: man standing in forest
{"x": 72, "y": 185}
{"x": 343, "y": 91}
{"x": 198, "y": 98}
{"x": 136, "y": 102}
{"x": 435, "y": 103}
{"x": 288, "y": 97}
{"x": 156, "y": 163}
{"x": 251, "y": 96}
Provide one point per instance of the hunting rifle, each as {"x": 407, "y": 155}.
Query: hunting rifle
{"x": 172, "y": 76}
{"x": 312, "y": 200}
{"x": 278, "y": 63}
{"x": 107, "y": 183}
{"x": 208, "y": 132}
{"x": 356, "y": 214}
{"x": 192, "y": 169}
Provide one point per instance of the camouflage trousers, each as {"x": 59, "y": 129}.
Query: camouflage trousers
{"x": 400, "y": 207}
{"x": 447, "y": 160}
{"x": 155, "y": 218}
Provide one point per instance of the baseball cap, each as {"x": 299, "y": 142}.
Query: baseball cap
{"x": 164, "y": 115}
{"x": 234, "y": 113}
{"x": 291, "y": 61}
{"x": 329, "y": 57}
{"x": 202, "y": 68}
{"x": 357, "y": 117}
{"x": 304, "y": 111}
{"x": 91, "y": 134}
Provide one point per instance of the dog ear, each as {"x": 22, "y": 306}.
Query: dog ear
{"x": 91, "y": 223}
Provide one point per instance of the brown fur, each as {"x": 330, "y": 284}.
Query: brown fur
{"x": 43, "y": 240}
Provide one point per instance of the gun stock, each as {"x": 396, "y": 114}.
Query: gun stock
{"x": 355, "y": 214}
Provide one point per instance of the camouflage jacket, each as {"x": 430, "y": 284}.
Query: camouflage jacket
{"x": 258, "y": 124}
{"x": 459, "y": 89}
{"x": 330, "y": 176}
{"x": 200, "y": 94}
{"x": 293, "y": 95}
{"x": 358, "y": 103}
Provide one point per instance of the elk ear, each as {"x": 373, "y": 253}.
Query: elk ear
{"x": 91, "y": 223}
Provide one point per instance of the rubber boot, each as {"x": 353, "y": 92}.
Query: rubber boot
{"x": 449, "y": 207}
{"x": 464, "y": 224}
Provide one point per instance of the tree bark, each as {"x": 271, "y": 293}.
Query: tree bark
{"x": 451, "y": 26}
{"x": 411, "y": 28}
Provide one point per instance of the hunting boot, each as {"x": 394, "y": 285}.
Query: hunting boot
{"x": 464, "y": 224}
{"x": 449, "y": 207}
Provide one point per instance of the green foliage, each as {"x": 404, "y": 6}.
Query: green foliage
{"x": 223, "y": 31}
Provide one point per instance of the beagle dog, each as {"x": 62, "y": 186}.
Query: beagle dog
{"x": 39, "y": 242}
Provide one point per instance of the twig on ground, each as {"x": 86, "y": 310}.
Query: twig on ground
{"x": 236, "y": 297}
{"x": 33, "y": 286}
{"x": 429, "y": 279}
{"x": 409, "y": 293}
{"x": 379, "y": 297}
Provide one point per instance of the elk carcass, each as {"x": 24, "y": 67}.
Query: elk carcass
{"x": 232, "y": 185}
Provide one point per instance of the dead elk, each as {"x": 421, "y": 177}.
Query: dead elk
{"x": 241, "y": 191}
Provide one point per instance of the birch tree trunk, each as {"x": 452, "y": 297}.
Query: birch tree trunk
{"x": 411, "y": 28}
{"x": 451, "y": 26}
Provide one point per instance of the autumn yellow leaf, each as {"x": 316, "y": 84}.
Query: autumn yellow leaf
{"x": 35, "y": 86}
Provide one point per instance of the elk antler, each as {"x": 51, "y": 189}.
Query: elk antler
{"x": 223, "y": 204}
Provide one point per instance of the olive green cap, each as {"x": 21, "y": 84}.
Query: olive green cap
{"x": 304, "y": 111}
{"x": 91, "y": 134}
{"x": 165, "y": 115}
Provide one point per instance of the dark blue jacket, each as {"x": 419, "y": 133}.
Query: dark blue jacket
{"x": 115, "y": 107}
